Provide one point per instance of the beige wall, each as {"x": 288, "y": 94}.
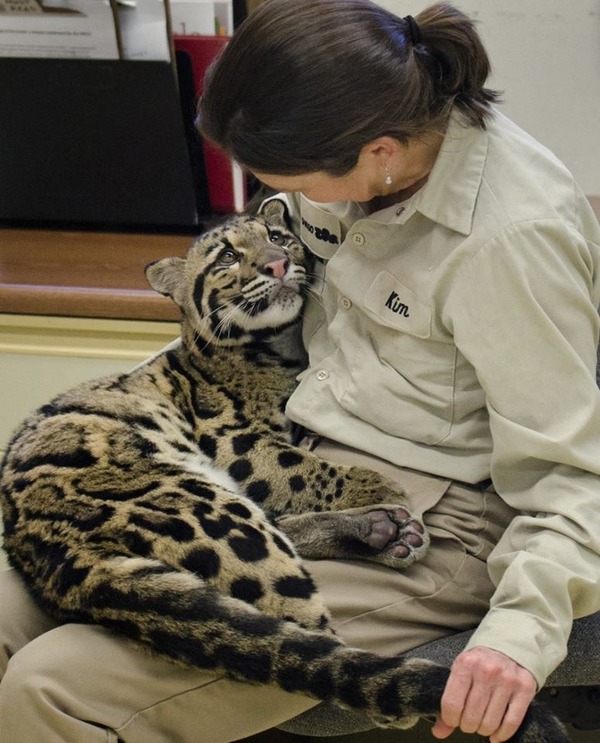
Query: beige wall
{"x": 546, "y": 58}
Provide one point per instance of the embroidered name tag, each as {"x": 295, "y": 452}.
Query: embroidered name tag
{"x": 397, "y": 306}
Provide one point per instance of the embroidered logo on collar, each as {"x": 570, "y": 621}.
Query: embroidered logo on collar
{"x": 394, "y": 304}
{"x": 321, "y": 233}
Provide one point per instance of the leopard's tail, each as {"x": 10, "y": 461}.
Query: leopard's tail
{"x": 180, "y": 616}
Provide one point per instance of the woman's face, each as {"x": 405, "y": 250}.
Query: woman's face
{"x": 406, "y": 164}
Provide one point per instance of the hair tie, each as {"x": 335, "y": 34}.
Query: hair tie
{"x": 414, "y": 30}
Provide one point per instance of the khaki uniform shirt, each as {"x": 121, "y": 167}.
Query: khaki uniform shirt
{"x": 456, "y": 333}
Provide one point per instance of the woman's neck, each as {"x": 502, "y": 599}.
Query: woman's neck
{"x": 410, "y": 174}
{"x": 382, "y": 202}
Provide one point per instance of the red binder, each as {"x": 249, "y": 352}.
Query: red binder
{"x": 226, "y": 185}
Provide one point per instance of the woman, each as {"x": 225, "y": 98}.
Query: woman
{"x": 452, "y": 342}
{"x": 456, "y": 328}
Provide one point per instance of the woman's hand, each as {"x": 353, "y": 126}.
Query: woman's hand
{"x": 487, "y": 693}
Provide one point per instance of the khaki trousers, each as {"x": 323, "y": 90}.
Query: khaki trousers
{"x": 84, "y": 684}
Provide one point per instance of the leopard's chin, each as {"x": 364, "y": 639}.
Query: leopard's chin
{"x": 284, "y": 308}
{"x": 287, "y": 293}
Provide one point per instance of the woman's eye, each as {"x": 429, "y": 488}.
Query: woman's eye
{"x": 227, "y": 257}
{"x": 278, "y": 238}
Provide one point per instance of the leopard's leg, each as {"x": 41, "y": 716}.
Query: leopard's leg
{"x": 385, "y": 534}
{"x": 289, "y": 481}
{"x": 284, "y": 479}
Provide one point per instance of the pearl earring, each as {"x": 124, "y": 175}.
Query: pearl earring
{"x": 388, "y": 177}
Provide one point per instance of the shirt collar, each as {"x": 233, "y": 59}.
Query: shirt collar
{"x": 448, "y": 198}
{"x": 450, "y": 194}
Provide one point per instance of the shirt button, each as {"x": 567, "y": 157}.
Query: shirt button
{"x": 322, "y": 375}
{"x": 400, "y": 210}
{"x": 358, "y": 238}
{"x": 346, "y": 303}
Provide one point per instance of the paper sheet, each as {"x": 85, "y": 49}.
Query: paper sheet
{"x": 60, "y": 28}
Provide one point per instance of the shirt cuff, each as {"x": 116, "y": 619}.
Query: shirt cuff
{"x": 538, "y": 648}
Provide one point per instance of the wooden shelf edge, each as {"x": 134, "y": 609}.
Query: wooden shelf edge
{"x": 124, "y": 304}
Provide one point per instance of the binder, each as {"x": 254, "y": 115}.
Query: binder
{"x": 227, "y": 189}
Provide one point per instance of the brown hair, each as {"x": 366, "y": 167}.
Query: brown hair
{"x": 305, "y": 84}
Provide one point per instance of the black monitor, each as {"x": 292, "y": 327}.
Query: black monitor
{"x": 96, "y": 143}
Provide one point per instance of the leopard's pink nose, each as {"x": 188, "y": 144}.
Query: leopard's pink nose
{"x": 277, "y": 268}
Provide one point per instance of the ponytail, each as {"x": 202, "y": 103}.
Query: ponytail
{"x": 459, "y": 60}
{"x": 304, "y": 85}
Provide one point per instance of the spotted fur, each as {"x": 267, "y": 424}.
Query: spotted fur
{"x": 153, "y": 502}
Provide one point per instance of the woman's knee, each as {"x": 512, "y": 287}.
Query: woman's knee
{"x": 31, "y": 676}
{"x": 50, "y": 679}
{"x": 70, "y": 668}
{"x": 21, "y": 620}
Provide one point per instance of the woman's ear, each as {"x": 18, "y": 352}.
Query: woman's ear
{"x": 381, "y": 150}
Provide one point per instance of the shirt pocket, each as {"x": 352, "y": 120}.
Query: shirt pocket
{"x": 396, "y": 306}
{"x": 404, "y": 384}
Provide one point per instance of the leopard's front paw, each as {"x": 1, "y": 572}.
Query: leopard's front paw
{"x": 386, "y": 534}
{"x": 390, "y": 535}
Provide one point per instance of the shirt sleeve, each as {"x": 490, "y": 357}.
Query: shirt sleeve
{"x": 523, "y": 312}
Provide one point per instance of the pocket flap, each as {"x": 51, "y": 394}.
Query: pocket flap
{"x": 397, "y": 306}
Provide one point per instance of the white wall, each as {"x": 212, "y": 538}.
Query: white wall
{"x": 546, "y": 58}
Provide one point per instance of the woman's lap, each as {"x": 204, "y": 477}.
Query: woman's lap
{"x": 95, "y": 685}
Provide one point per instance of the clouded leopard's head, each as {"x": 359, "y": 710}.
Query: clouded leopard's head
{"x": 239, "y": 282}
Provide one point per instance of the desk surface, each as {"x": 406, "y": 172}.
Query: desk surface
{"x": 84, "y": 274}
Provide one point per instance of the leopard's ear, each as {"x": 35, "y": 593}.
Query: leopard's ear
{"x": 276, "y": 213}
{"x": 167, "y": 276}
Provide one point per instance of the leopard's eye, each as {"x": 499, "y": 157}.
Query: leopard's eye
{"x": 227, "y": 257}
{"x": 277, "y": 238}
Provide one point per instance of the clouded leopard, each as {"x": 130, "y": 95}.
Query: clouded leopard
{"x": 165, "y": 503}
